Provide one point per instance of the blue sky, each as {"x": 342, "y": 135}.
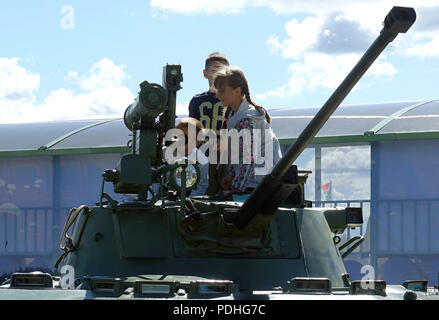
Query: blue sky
{"x": 85, "y": 59}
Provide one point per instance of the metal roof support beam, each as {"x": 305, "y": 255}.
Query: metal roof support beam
{"x": 67, "y": 135}
{"x": 393, "y": 116}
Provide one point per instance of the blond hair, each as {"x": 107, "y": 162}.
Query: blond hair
{"x": 184, "y": 123}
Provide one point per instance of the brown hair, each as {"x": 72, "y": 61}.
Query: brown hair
{"x": 184, "y": 123}
{"x": 235, "y": 78}
{"x": 214, "y": 63}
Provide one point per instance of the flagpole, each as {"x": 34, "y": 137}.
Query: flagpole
{"x": 330, "y": 191}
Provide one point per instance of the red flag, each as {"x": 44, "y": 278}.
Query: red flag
{"x": 327, "y": 190}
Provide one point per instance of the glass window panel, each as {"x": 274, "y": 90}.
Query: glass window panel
{"x": 347, "y": 171}
{"x": 374, "y": 109}
{"x": 31, "y": 136}
{"x": 418, "y": 124}
{"x": 348, "y": 126}
{"x": 288, "y": 128}
{"x": 426, "y": 109}
{"x": 346, "y": 120}
{"x": 108, "y": 134}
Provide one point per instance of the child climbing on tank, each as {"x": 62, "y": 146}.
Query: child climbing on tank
{"x": 259, "y": 149}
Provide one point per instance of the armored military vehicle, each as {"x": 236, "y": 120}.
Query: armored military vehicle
{"x": 163, "y": 244}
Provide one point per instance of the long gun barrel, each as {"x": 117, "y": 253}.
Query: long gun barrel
{"x": 399, "y": 20}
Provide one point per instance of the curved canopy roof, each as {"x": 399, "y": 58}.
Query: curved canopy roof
{"x": 366, "y": 122}
{"x": 348, "y": 124}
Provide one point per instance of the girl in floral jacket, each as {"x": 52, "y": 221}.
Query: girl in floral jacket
{"x": 258, "y": 149}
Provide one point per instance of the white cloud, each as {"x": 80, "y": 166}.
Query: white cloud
{"x": 346, "y": 158}
{"x": 200, "y": 6}
{"x": 278, "y": 6}
{"x": 349, "y": 170}
{"x": 424, "y": 49}
{"x": 99, "y": 103}
{"x": 182, "y": 109}
{"x": 366, "y": 12}
{"x": 102, "y": 94}
{"x": 103, "y": 74}
{"x": 301, "y": 36}
{"x": 324, "y": 70}
{"x": 353, "y": 24}
{"x": 17, "y": 84}
{"x": 335, "y": 28}
{"x": 363, "y": 15}
{"x": 325, "y": 47}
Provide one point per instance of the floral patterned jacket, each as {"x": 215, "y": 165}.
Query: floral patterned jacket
{"x": 249, "y": 162}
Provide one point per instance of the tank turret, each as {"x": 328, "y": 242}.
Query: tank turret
{"x": 167, "y": 245}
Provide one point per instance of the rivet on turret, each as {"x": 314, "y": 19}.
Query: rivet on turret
{"x": 97, "y": 236}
